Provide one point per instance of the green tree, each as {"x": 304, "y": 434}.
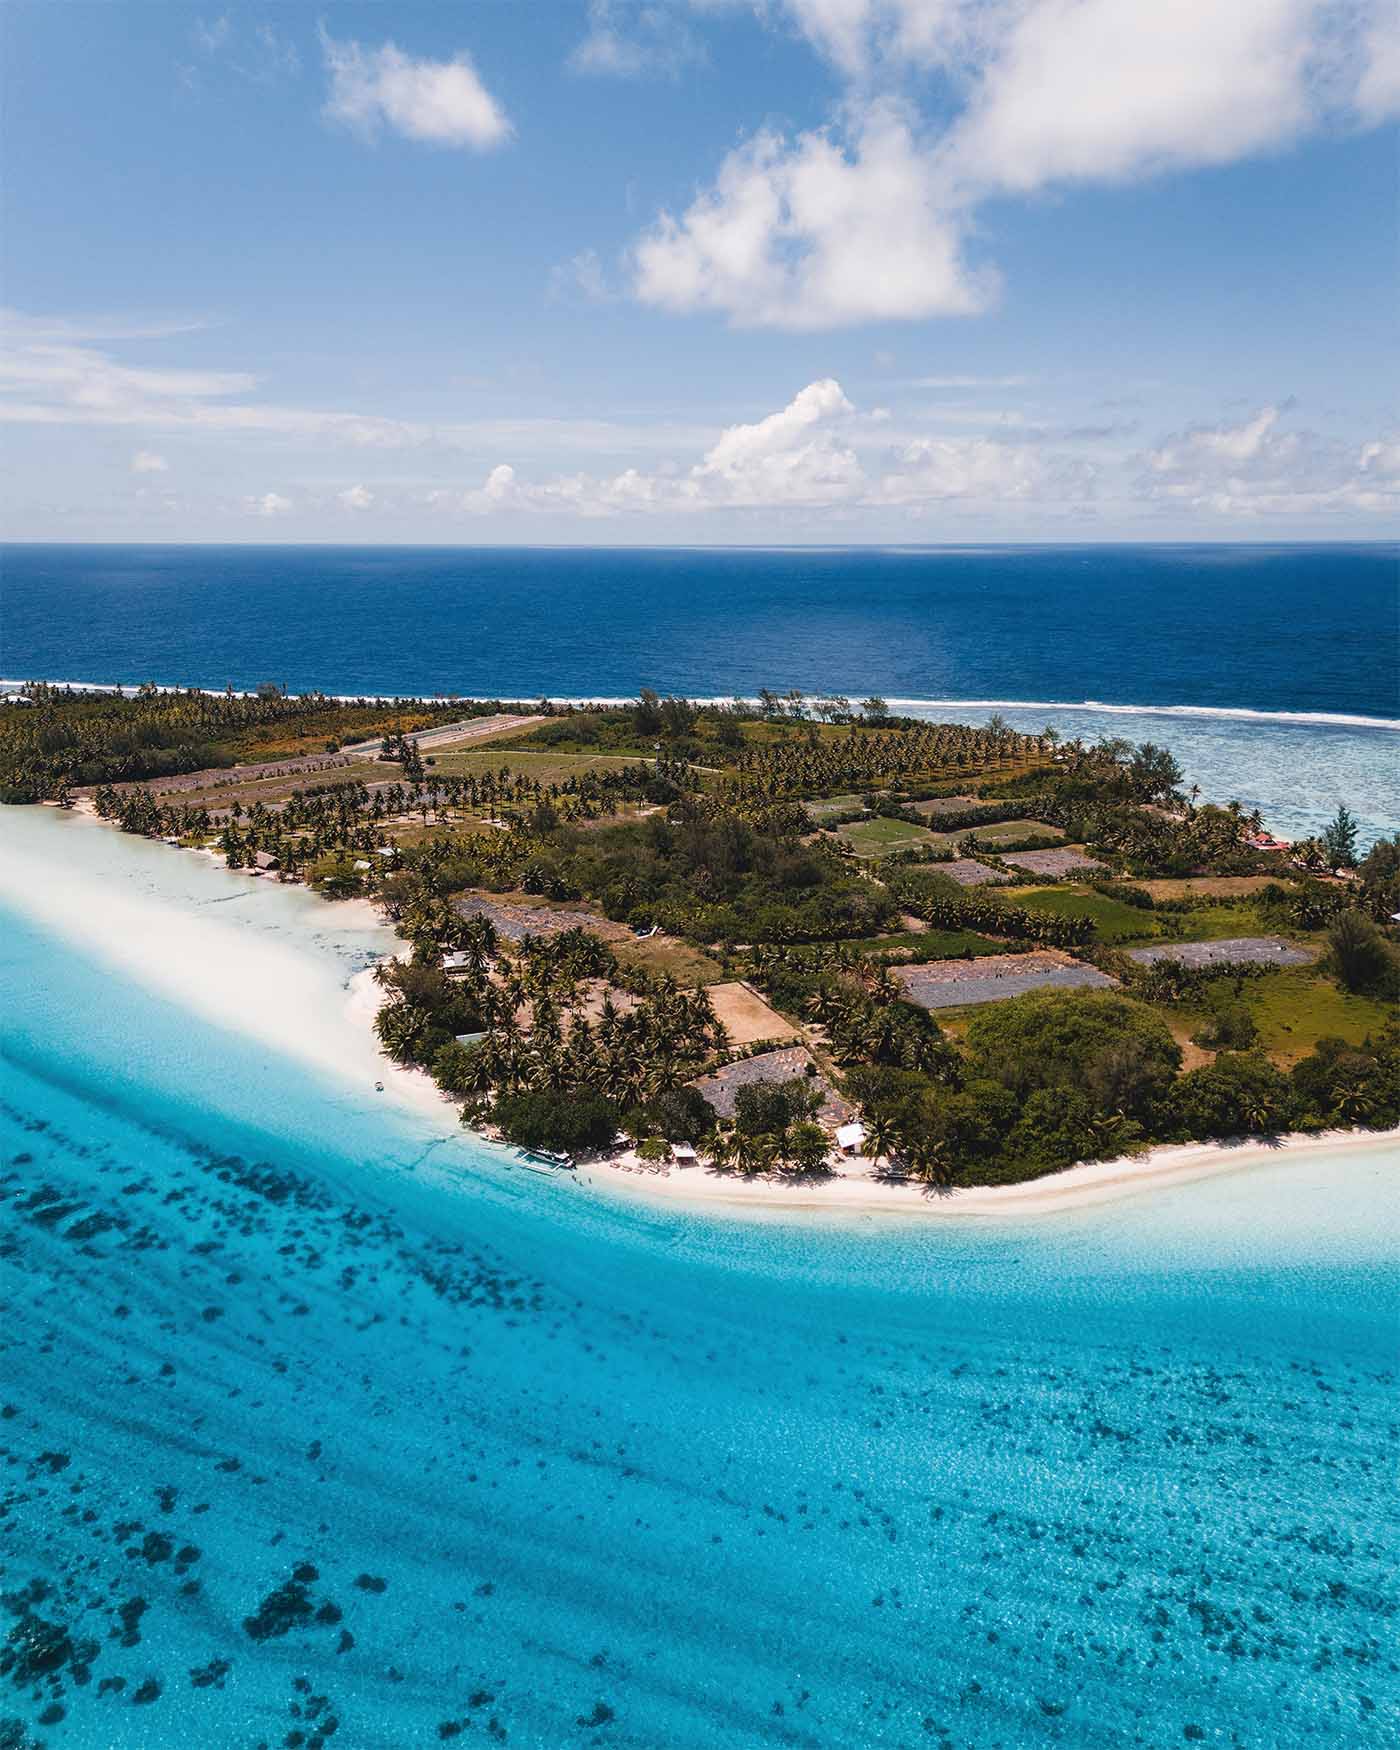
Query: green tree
{"x": 1339, "y": 839}
{"x": 1240, "y": 1094}
{"x": 1364, "y": 960}
{"x": 569, "y": 1120}
{"x": 806, "y": 1147}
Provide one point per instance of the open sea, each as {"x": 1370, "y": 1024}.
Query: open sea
{"x": 325, "y": 1424}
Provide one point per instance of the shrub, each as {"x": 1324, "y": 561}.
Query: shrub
{"x": 1364, "y": 960}
{"x": 767, "y": 1108}
{"x": 1240, "y": 1094}
{"x": 1119, "y": 1052}
{"x": 569, "y": 1120}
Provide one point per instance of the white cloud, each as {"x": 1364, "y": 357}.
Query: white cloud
{"x": 1104, "y": 90}
{"x": 791, "y": 457}
{"x": 148, "y": 462}
{"x": 356, "y": 497}
{"x": 441, "y": 102}
{"x": 805, "y": 458}
{"x": 865, "y": 220}
{"x": 46, "y": 378}
{"x": 269, "y": 504}
{"x": 627, "y": 41}
{"x": 1254, "y": 469}
{"x": 814, "y": 232}
{"x": 932, "y": 469}
{"x": 1378, "y": 88}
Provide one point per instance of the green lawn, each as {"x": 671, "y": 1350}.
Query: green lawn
{"x": 877, "y": 838}
{"x": 933, "y": 944}
{"x": 1296, "y": 1008}
{"x": 1006, "y": 831}
{"x": 1114, "y": 921}
{"x": 1214, "y": 922}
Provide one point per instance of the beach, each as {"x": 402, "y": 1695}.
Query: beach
{"x": 1083, "y": 1187}
{"x": 534, "y": 1432}
{"x": 235, "y": 952}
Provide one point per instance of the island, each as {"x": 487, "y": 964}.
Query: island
{"x": 790, "y": 938}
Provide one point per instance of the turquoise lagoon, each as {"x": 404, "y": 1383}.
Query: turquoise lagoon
{"x": 325, "y": 1424}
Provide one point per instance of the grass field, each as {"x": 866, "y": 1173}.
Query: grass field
{"x": 1212, "y": 922}
{"x": 1211, "y": 886}
{"x": 224, "y": 789}
{"x": 877, "y": 838}
{"x": 548, "y": 768}
{"x": 1296, "y": 1008}
{"x": 1114, "y": 921}
{"x": 1006, "y": 831}
{"x": 934, "y": 944}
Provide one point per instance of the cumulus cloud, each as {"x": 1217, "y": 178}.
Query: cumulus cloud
{"x": 935, "y": 469}
{"x": 866, "y": 219}
{"x": 806, "y": 457}
{"x": 1105, "y": 90}
{"x": 443, "y": 103}
{"x": 1258, "y": 467}
{"x": 791, "y": 457}
{"x": 148, "y": 462}
{"x": 356, "y": 498}
{"x": 833, "y": 226}
{"x": 269, "y": 504}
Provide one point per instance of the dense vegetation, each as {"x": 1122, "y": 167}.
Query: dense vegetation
{"x": 717, "y": 828}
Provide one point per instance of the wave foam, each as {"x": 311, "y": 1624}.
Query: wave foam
{"x": 1224, "y": 713}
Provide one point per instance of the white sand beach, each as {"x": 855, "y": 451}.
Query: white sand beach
{"x": 1081, "y": 1187}
{"x": 282, "y": 966}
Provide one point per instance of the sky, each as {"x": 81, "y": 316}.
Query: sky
{"x": 699, "y": 271}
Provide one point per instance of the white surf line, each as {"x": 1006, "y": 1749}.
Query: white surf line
{"x": 1227, "y": 713}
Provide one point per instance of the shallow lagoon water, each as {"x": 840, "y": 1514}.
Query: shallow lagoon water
{"x": 578, "y": 1469}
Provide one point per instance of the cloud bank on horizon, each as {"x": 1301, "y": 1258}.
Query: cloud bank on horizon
{"x": 652, "y": 222}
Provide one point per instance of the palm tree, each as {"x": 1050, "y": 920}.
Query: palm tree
{"x": 929, "y": 1163}
{"x": 881, "y": 1138}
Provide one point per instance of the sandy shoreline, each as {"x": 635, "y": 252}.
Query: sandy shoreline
{"x": 344, "y": 1044}
{"x": 1082, "y": 1187}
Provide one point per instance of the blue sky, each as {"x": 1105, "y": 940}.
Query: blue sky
{"x": 700, "y": 270}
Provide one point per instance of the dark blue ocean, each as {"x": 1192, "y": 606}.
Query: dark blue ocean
{"x": 1297, "y": 628}
{"x": 1273, "y": 673}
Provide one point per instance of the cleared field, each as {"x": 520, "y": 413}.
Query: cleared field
{"x": 746, "y": 1017}
{"x": 947, "y": 984}
{"x": 547, "y": 768}
{"x": 686, "y": 964}
{"x": 1257, "y": 950}
{"x": 1212, "y": 886}
{"x": 470, "y": 729}
{"x": 1007, "y": 831}
{"x": 877, "y": 838}
{"x": 1293, "y": 1010}
{"x": 1114, "y": 921}
{"x": 936, "y": 805}
{"x": 829, "y": 805}
{"x": 220, "y": 789}
{"x": 1053, "y": 862}
{"x": 967, "y": 872}
{"x": 1004, "y": 832}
